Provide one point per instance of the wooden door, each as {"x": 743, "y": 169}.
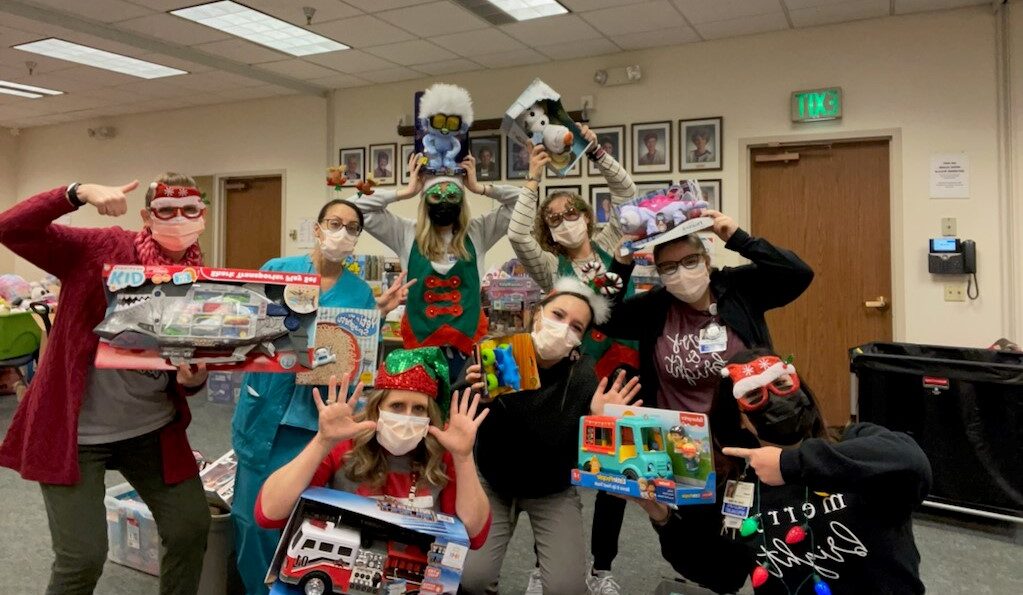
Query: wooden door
{"x": 830, "y": 206}
{"x": 252, "y": 221}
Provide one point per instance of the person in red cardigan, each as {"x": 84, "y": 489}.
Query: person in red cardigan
{"x": 76, "y": 421}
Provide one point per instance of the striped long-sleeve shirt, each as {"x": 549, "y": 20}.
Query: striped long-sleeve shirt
{"x": 541, "y": 265}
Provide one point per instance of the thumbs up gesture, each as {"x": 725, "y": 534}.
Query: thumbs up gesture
{"x": 108, "y": 200}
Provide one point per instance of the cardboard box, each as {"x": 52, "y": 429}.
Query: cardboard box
{"x": 131, "y": 531}
{"x": 160, "y": 317}
{"x": 354, "y": 544}
{"x": 347, "y": 341}
{"x": 509, "y": 364}
{"x": 657, "y": 454}
{"x": 538, "y": 117}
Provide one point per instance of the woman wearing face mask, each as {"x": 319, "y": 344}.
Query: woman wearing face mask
{"x": 275, "y": 418}
{"x": 528, "y": 445}
{"x": 76, "y": 421}
{"x": 400, "y": 446}
{"x": 846, "y": 506}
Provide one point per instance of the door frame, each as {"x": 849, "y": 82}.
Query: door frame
{"x": 895, "y": 199}
{"x": 220, "y": 233}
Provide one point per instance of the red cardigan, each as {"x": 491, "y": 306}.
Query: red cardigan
{"x": 42, "y": 442}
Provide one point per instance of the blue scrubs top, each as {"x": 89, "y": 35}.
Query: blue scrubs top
{"x": 280, "y": 401}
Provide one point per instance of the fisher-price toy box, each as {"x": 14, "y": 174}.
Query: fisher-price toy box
{"x": 339, "y": 542}
{"x": 160, "y": 317}
{"x": 656, "y": 454}
{"x": 347, "y": 342}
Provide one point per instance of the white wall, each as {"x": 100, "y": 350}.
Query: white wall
{"x": 8, "y": 144}
{"x": 1016, "y": 92}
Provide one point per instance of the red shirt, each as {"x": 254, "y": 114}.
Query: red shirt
{"x": 42, "y": 442}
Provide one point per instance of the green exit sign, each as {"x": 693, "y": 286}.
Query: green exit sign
{"x": 815, "y": 105}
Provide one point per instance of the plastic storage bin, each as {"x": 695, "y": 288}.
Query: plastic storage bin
{"x": 20, "y": 335}
{"x": 131, "y": 531}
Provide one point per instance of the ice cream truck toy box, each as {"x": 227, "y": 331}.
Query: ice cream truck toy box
{"x": 161, "y": 317}
{"x": 656, "y": 454}
{"x": 339, "y": 542}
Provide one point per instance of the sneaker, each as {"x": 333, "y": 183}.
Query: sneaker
{"x": 535, "y": 586}
{"x": 600, "y": 582}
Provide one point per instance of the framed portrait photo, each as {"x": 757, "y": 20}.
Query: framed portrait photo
{"x": 354, "y": 160}
{"x": 711, "y": 190}
{"x": 549, "y": 190}
{"x": 383, "y": 163}
{"x": 601, "y": 204}
{"x": 487, "y": 151}
{"x": 700, "y": 144}
{"x": 516, "y": 160}
{"x": 402, "y": 165}
{"x": 651, "y": 147}
{"x": 575, "y": 172}
{"x": 612, "y": 140}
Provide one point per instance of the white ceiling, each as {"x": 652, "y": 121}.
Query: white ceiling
{"x": 387, "y": 39}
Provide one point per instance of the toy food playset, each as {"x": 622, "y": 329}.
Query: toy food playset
{"x": 159, "y": 317}
{"x": 346, "y": 343}
{"x": 662, "y": 215}
{"x": 538, "y": 117}
{"x": 509, "y": 364}
{"x": 649, "y": 453}
{"x": 443, "y": 116}
{"x": 339, "y": 542}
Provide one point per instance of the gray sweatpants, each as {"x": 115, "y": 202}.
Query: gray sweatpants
{"x": 557, "y": 523}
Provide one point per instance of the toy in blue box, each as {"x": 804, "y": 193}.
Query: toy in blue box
{"x": 642, "y": 452}
{"x": 339, "y": 542}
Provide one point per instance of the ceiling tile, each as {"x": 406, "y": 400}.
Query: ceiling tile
{"x": 350, "y": 61}
{"x": 30, "y": 26}
{"x": 10, "y": 37}
{"x": 702, "y": 11}
{"x": 743, "y": 26}
{"x": 472, "y": 43}
{"x": 175, "y": 62}
{"x": 167, "y": 27}
{"x": 798, "y": 4}
{"x": 448, "y": 66}
{"x": 341, "y": 81}
{"x": 165, "y": 5}
{"x": 156, "y": 89}
{"x": 71, "y": 102}
{"x": 551, "y": 30}
{"x": 114, "y": 95}
{"x": 635, "y": 18}
{"x": 299, "y": 69}
{"x": 90, "y": 75}
{"x": 215, "y": 81}
{"x": 106, "y": 11}
{"x": 585, "y": 5}
{"x": 514, "y": 58}
{"x": 326, "y": 10}
{"x": 408, "y": 53}
{"x": 381, "y": 5}
{"x": 437, "y": 17}
{"x": 16, "y": 59}
{"x": 907, "y": 6}
{"x": 364, "y": 31}
{"x": 850, "y": 10}
{"x": 656, "y": 39}
{"x": 242, "y": 51}
{"x": 52, "y": 80}
{"x": 579, "y": 49}
{"x": 390, "y": 75}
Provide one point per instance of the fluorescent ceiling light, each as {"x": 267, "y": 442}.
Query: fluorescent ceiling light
{"x": 252, "y": 25}
{"x": 523, "y": 10}
{"x": 83, "y": 54}
{"x": 26, "y": 90}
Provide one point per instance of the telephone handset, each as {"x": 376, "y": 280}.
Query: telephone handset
{"x": 969, "y": 256}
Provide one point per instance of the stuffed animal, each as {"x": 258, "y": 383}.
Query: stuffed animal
{"x": 14, "y": 289}
{"x": 557, "y": 139}
{"x": 445, "y": 112}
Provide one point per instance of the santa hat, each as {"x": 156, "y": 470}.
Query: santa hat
{"x": 422, "y": 370}
{"x": 755, "y": 374}
{"x": 594, "y": 296}
{"x": 451, "y": 100}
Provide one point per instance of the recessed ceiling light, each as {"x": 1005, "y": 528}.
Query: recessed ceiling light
{"x": 26, "y": 90}
{"x": 252, "y": 25}
{"x": 83, "y": 54}
{"x": 20, "y": 93}
{"x": 523, "y": 10}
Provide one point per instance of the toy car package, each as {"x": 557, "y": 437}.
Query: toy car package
{"x": 509, "y": 364}
{"x": 160, "y": 317}
{"x": 663, "y": 215}
{"x": 347, "y": 340}
{"x": 656, "y": 454}
{"x": 538, "y": 117}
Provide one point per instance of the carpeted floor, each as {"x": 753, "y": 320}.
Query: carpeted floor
{"x": 960, "y": 554}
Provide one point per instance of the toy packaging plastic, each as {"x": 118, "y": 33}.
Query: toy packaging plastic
{"x": 663, "y": 215}
{"x": 347, "y": 340}
{"x": 538, "y": 117}
{"x": 509, "y": 364}
{"x": 339, "y": 542}
{"x": 508, "y": 303}
{"x": 159, "y": 317}
{"x": 218, "y": 480}
{"x": 657, "y": 454}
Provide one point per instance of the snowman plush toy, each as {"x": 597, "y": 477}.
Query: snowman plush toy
{"x": 445, "y": 114}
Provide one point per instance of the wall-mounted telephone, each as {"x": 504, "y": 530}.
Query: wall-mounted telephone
{"x": 952, "y": 256}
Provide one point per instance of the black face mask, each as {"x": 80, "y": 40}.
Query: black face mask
{"x": 443, "y": 214}
{"x": 785, "y": 420}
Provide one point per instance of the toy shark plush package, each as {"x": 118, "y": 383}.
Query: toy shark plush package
{"x": 538, "y": 117}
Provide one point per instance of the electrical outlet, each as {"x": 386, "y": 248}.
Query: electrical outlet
{"x": 948, "y": 226}
{"x": 586, "y": 101}
{"x": 955, "y": 292}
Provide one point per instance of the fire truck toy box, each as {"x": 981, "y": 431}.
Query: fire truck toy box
{"x": 160, "y": 317}
{"x": 656, "y": 454}
{"x": 339, "y": 542}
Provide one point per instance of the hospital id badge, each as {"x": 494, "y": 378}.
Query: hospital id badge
{"x": 738, "y": 500}
{"x": 713, "y": 338}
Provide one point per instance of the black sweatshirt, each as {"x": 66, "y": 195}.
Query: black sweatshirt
{"x": 529, "y": 443}
{"x": 862, "y": 492}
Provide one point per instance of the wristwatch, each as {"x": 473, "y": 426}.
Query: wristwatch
{"x": 530, "y": 178}
{"x": 72, "y": 195}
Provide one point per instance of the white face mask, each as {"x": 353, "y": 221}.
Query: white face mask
{"x": 337, "y": 245}
{"x": 688, "y": 285}
{"x": 399, "y": 434}
{"x": 554, "y": 340}
{"x": 570, "y": 234}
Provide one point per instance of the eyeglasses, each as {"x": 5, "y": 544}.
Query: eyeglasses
{"x": 444, "y": 192}
{"x": 335, "y": 224}
{"x": 757, "y": 398}
{"x": 690, "y": 262}
{"x": 187, "y": 211}
{"x": 555, "y": 219}
{"x": 446, "y": 121}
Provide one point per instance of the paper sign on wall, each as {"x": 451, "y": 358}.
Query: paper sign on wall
{"x": 950, "y": 176}
{"x": 305, "y": 234}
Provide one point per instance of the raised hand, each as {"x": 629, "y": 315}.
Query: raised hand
{"x": 186, "y": 377}
{"x": 471, "y": 183}
{"x": 538, "y": 160}
{"x": 765, "y": 461}
{"x": 108, "y": 200}
{"x": 459, "y": 436}
{"x": 724, "y": 226}
{"x": 337, "y": 415}
{"x": 620, "y": 393}
{"x": 415, "y": 181}
{"x": 474, "y": 377}
{"x": 589, "y": 135}
{"x": 395, "y": 295}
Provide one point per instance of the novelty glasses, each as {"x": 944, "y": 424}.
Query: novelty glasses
{"x": 555, "y": 219}
{"x": 444, "y": 192}
{"x": 752, "y": 381}
{"x": 446, "y": 121}
{"x": 163, "y": 213}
